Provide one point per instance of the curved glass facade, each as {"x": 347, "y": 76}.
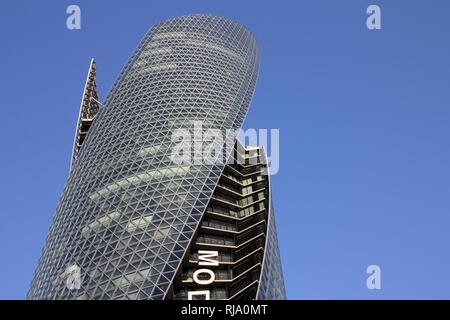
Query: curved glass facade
{"x": 128, "y": 213}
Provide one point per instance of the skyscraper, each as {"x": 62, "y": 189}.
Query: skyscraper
{"x": 132, "y": 223}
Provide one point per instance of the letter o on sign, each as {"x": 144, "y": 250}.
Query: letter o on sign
{"x": 212, "y": 276}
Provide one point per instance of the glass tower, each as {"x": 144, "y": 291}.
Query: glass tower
{"x": 132, "y": 223}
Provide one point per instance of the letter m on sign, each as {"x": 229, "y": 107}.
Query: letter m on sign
{"x": 208, "y": 258}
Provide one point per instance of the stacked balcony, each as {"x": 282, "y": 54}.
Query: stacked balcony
{"x": 234, "y": 225}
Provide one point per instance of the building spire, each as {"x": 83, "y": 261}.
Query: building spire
{"x": 89, "y": 108}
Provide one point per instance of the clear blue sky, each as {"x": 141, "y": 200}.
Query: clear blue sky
{"x": 364, "y": 119}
